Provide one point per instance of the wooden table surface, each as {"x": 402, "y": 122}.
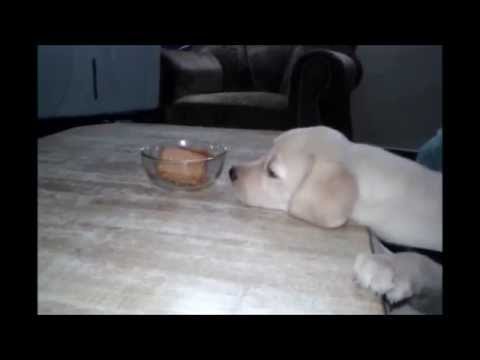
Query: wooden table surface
{"x": 109, "y": 242}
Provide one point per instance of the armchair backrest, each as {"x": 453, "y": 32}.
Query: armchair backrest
{"x": 262, "y": 67}
{"x": 267, "y": 65}
{"x": 300, "y": 50}
{"x": 236, "y": 73}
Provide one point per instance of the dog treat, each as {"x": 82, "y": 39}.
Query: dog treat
{"x": 186, "y": 173}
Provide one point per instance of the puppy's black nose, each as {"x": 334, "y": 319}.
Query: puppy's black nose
{"x": 232, "y": 173}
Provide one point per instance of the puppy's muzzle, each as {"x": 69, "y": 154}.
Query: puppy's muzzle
{"x": 233, "y": 173}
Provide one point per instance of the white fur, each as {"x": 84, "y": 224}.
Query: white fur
{"x": 398, "y": 199}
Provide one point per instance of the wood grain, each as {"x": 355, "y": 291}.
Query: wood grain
{"x": 109, "y": 242}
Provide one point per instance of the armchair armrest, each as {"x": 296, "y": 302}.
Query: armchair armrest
{"x": 187, "y": 72}
{"x": 320, "y": 87}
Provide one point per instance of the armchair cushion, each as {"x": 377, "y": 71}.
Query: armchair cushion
{"x": 255, "y": 110}
{"x": 254, "y": 99}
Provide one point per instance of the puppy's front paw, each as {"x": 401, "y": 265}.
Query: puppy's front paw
{"x": 376, "y": 272}
{"x": 373, "y": 273}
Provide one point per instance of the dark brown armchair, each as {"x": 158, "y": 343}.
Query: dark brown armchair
{"x": 260, "y": 86}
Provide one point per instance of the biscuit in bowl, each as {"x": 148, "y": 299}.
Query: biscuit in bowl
{"x": 183, "y": 166}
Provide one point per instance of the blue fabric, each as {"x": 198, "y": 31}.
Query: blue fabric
{"x": 430, "y": 154}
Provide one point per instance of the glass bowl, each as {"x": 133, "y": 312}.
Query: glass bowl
{"x": 181, "y": 164}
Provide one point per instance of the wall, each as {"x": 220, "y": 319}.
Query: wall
{"x": 399, "y": 102}
{"x": 126, "y": 79}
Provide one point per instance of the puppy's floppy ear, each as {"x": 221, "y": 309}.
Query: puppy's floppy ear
{"x": 326, "y": 195}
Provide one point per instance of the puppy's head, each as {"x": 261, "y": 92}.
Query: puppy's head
{"x": 302, "y": 174}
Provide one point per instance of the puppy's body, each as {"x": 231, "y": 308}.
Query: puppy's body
{"x": 400, "y": 200}
{"x": 397, "y": 198}
{"x": 318, "y": 175}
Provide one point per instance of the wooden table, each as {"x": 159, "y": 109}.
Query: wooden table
{"x": 109, "y": 242}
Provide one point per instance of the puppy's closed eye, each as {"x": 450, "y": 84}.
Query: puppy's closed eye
{"x": 271, "y": 173}
{"x": 274, "y": 169}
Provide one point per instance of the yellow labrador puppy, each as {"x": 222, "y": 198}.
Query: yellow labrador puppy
{"x": 318, "y": 175}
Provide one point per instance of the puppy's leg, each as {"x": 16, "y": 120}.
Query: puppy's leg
{"x": 400, "y": 277}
